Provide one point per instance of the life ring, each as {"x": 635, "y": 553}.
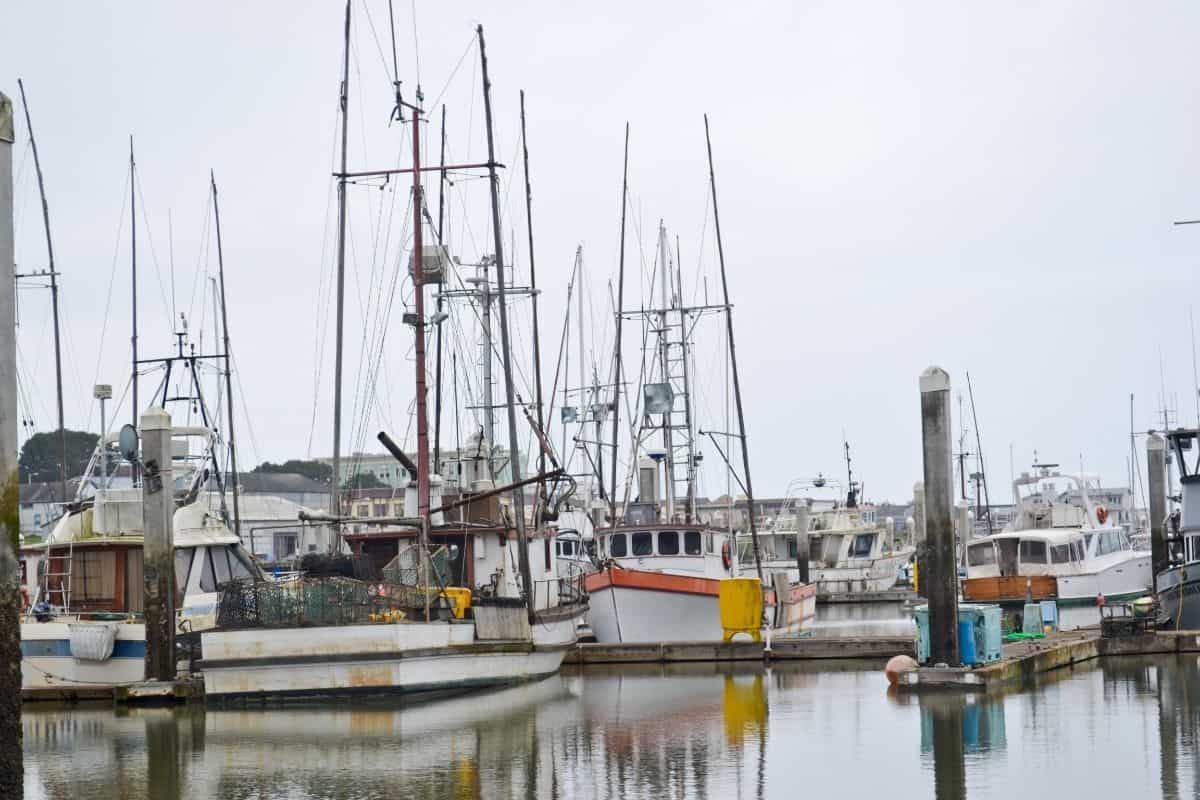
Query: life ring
{"x": 727, "y": 554}
{"x": 1101, "y": 514}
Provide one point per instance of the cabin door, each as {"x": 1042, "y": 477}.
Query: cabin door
{"x": 1007, "y": 549}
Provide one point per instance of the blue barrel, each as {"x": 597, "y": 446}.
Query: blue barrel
{"x": 966, "y": 642}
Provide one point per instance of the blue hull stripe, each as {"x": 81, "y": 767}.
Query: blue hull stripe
{"x": 45, "y": 648}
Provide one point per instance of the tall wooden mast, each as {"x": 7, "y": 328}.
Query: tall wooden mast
{"x": 58, "y": 381}
{"x": 335, "y": 508}
{"x": 514, "y": 460}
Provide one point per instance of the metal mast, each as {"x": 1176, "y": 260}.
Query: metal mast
{"x": 664, "y": 356}
{"x": 616, "y": 401}
{"x": 437, "y": 379}
{"x": 737, "y": 385}
{"x": 237, "y": 511}
{"x": 334, "y": 488}
{"x": 510, "y": 398}
{"x": 690, "y": 503}
{"x": 37, "y": 165}
{"x": 133, "y": 272}
{"x": 533, "y": 293}
{"x": 419, "y": 347}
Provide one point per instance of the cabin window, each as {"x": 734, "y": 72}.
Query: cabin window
{"x": 793, "y": 547}
{"x": 1033, "y": 552}
{"x": 643, "y": 543}
{"x": 566, "y": 548}
{"x": 862, "y": 545}
{"x": 668, "y": 543}
{"x": 708, "y": 543}
{"x": 691, "y": 543}
{"x": 981, "y": 554}
{"x": 1060, "y": 554}
{"x": 93, "y": 576}
{"x": 616, "y": 545}
{"x": 1077, "y": 550}
{"x": 1108, "y": 542}
{"x": 546, "y": 542}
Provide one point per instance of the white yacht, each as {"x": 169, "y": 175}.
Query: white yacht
{"x": 1056, "y": 550}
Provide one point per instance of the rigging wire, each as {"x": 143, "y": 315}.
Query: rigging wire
{"x": 108, "y": 298}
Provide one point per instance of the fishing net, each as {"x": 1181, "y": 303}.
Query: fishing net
{"x": 316, "y": 601}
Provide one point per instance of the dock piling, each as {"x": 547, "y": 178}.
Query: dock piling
{"x": 802, "y": 548}
{"x": 11, "y": 765}
{"x": 939, "y": 572}
{"x": 158, "y": 568}
{"x": 1156, "y": 472}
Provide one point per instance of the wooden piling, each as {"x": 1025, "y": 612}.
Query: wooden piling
{"x": 158, "y": 559}
{"x": 1156, "y": 472}
{"x": 939, "y": 573}
{"x": 12, "y": 777}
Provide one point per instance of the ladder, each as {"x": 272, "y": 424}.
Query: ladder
{"x": 48, "y": 590}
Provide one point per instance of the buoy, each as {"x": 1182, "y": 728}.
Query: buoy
{"x": 897, "y": 665}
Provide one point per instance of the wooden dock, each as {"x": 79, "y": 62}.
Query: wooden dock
{"x": 797, "y": 649}
{"x": 145, "y": 693}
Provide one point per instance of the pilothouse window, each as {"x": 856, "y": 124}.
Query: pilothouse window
{"x": 668, "y": 543}
{"x": 1033, "y": 552}
{"x": 643, "y": 543}
{"x": 616, "y": 545}
{"x": 981, "y": 554}
{"x": 691, "y": 543}
{"x": 1060, "y": 554}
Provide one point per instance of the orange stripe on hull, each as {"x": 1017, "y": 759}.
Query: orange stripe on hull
{"x": 652, "y": 581}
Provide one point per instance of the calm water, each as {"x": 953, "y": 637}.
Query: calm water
{"x": 1125, "y": 730}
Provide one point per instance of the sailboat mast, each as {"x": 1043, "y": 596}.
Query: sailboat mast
{"x": 37, "y": 165}
{"x": 689, "y": 510}
{"x": 664, "y": 358}
{"x": 133, "y": 273}
{"x": 335, "y": 507}
{"x": 506, "y": 355}
{"x": 616, "y": 401}
{"x": 437, "y": 378}
{"x": 533, "y": 294}
{"x": 733, "y": 365}
{"x": 237, "y": 511}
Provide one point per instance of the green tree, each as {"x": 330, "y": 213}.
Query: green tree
{"x": 315, "y": 470}
{"x": 41, "y": 455}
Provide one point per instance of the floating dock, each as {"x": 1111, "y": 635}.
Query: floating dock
{"x": 1027, "y": 659}
{"x": 798, "y": 649}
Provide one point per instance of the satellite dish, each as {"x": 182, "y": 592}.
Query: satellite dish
{"x": 127, "y": 441}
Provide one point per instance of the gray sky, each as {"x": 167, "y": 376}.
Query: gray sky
{"x": 987, "y": 188}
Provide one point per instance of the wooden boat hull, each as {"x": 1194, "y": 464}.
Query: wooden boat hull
{"x": 1010, "y": 588}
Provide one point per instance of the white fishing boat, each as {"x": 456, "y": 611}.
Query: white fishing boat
{"x": 84, "y": 582}
{"x": 661, "y": 564}
{"x": 1055, "y": 549}
{"x": 848, "y": 549}
{"x": 1178, "y": 586}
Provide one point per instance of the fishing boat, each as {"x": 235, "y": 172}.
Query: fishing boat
{"x": 662, "y": 566}
{"x": 848, "y": 549}
{"x": 1055, "y": 549}
{"x": 468, "y": 596}
{"x": 84, "y": 582}
{"x": 1178, "y": 586}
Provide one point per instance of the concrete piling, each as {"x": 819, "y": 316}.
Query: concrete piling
{"x": 12, "y": 776}
{"x": 1156, "y": 472}
{"x": 158, "y": 567}
{"x": 939, "y": 572}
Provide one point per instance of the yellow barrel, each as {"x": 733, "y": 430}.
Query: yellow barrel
{"x": 741, "y": 603}
{"x": 460, "y": 597}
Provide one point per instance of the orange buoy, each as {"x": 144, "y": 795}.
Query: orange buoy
{"x": 897, "y": 665}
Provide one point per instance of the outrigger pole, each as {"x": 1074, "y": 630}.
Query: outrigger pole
{"x": 737, "y": 385}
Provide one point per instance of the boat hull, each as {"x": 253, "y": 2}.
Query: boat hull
{"x": 49, "y": 661}
{"x": 629, "y": 605}
{"x": 1179, "y": 598}
{"x": 403, "y": 658}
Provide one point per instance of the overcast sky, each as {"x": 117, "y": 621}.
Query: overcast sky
{"x": 986, "y": 187}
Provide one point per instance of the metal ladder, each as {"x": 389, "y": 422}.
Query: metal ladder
{"x": 63, "y": 589}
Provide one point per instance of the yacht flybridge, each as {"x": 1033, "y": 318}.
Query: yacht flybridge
{"x": 1056, "y": 549}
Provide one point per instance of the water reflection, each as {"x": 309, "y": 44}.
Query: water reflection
{"x": 681, "y": 731}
